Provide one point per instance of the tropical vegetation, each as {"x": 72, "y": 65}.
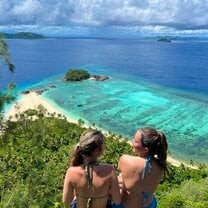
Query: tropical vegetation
{"x": 5, "y": 96}
{"x": 35, "y": 151}
{"x": 76, "y": 75}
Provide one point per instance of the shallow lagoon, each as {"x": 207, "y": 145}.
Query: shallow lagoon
{"x": 120, "y": 105}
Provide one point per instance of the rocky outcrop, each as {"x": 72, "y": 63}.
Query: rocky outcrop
{"x": 99, "y": 77}
{"x": 38, "y": 91}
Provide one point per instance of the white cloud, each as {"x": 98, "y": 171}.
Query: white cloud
{"x": 28, "y": 7}
{"x": 159, "y": 15}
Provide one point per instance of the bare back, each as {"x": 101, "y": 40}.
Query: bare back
{"x": 139, "y": 180}
{"x": 104, "y": 182}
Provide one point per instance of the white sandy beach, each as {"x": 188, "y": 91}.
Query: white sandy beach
{"x": 32, "y": 100}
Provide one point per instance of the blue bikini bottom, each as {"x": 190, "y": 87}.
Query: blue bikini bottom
{"x": 152, "y": 205}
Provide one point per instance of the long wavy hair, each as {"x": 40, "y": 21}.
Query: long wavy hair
{"x": 157, "y": 144}
{"x": 90, "y": 140}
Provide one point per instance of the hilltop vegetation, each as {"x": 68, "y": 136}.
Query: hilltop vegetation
{"x": 35, "y": 154}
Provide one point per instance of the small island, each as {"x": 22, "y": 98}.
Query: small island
{"x": 23, "y": 35}
{"x": 164, "y": 40}
{"x": 74, "y": 75}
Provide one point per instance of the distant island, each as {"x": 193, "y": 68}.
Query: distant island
{"x": 167, "y": 40}
{"x": 23, "y": 35}
{"x": 74, "y": 75}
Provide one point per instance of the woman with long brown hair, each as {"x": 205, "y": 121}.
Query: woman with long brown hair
{"x": 88, "y": 183}
{"x": 140, "y": 175}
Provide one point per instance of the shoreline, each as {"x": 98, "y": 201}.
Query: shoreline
{"x": 32, "y": 100}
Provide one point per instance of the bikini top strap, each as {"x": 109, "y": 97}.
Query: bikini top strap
{"x": 86, "y": 197}
{"x": 89, "y": 203}
{"x": 147, "y": 166}
{"x": 89, "y": 199}
{"x": 89, "y": 174}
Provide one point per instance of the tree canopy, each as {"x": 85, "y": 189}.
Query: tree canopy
{"x": 5, "y": 96}
{"x": 76, "y": 75}
{"x": 4, "y": 53}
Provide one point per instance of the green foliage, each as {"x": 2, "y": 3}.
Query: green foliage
{"x": 31, "y": 112}
{"x": 115, "y": 149}
{"x": 5, "y": 96}
{"x": 80, "y": 122}
{"x": 34, "y": 155}
{"x": 76, "y": 75}
{"x": 4, "y": 53}
{"x": 190, "y": 194}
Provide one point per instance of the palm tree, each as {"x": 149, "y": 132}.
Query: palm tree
{"x": 5, "y": 96}
{"x": 4, "y": 53}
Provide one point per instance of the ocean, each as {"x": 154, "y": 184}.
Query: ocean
{"x": 151, "y": 84}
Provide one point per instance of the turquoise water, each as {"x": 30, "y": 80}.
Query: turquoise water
{"x": 153, "y": 84}
{"x": 122, "y": 105}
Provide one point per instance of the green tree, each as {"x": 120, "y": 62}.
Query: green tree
{"x": 4, "y": 53}
{"x": 189, "y": 194}
{"x": 5, "y": 96}
{"x": 76, "y": 75}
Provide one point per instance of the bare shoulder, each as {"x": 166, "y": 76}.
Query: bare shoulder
{"x": 107, "y": 167}
{"x": 130, "y": 162}
{"x": 71, "y": 171}
{"x": 73, "y": 168}
{"x": 127, "y": 159}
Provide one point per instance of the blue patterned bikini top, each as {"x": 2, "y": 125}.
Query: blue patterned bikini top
{"x": 147, "y": 169}
{"x": 147, "y": 166}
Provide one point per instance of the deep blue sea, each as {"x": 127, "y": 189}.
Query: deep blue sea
{"x": 152, "y": 84}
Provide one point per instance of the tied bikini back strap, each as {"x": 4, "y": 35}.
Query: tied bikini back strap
{"x": 89, "y": 174}
{"x": 147, "y": 166}
{"x": 88, "y": 168}
{"x": 89, "y": 203}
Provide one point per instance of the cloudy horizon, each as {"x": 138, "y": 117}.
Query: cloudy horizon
{"x": 105, "y": 18}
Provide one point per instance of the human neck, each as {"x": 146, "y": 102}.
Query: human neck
{"x": 90, "y": 161}
{"x": 144, "y": 155}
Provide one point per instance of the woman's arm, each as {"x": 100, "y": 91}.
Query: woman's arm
{"x": 68, "y": 190}
{"x": 121, "y": 164}
{"x": 115, "y": 190}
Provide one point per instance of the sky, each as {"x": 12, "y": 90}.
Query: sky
{"x": 105, "y": 18}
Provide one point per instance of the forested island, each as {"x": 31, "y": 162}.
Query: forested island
{"x": 74, "y": 75}
{"x": 23, "y": 35}
{"x": 167, "y": 40}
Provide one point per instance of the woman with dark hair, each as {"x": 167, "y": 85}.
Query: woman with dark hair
{"x": 140, "y": 175}
{"x": 88, "y": 183}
